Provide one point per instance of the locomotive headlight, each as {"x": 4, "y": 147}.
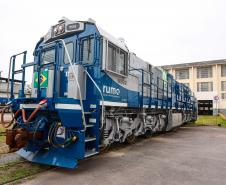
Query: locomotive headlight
{"x": 55, "y": 30}
{"x": 61, "y": 28}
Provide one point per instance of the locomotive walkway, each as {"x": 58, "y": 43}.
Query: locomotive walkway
{"x": 189, "y": 156}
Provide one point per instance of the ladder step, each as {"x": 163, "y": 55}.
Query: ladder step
{"x": 89, "y": 138}
{"x": 146, "y": 84}
{"x": 92, "y": 120}
{"x": 93, "y": 112}
{"x": 90, "y": 153}
{"x": 18, "y": 71}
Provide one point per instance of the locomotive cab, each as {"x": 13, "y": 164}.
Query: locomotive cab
{"x": 60, "y": 53}
{"x": 55, "y": 115}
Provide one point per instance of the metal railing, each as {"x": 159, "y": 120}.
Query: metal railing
{"x": 12, "y": 65}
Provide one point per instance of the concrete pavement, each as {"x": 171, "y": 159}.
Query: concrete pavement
{"x": 189, "y": 156}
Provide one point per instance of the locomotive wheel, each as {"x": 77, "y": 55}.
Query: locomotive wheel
{"x": 105, "y": 148}
{"x": 131, "y": 139}
{"x": 148, "y": 134}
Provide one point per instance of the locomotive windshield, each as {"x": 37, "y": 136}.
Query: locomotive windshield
{"x": 48, "y": 56}
{"x": 70, "y": 49}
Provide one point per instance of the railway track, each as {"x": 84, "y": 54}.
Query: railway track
{"x": 4, "y": 149}
{"x": 2, "y": 133}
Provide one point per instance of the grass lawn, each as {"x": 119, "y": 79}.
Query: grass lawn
{"x": 17, "y": 170}
{"x": 13, "y": 171}
{"x": 2, "y": 138}
{"x": 210, "y": 120}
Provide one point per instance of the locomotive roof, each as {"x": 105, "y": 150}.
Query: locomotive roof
{"x": 116, "y": 41}
{"x": 112, "y": 39}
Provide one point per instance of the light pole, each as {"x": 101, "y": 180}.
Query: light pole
{"x": 216, "y": 100}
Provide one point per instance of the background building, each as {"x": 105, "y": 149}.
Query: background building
{"x": 207, "y": 80}
{"x": 3, "y": 89}
{"x": 4, "y": 86}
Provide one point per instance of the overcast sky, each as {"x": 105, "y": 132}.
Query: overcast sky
{"x": 158, "y": 31}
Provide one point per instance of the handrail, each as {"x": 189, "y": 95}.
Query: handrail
{"x": 79, "y": 90}
{"x": 9, "y": 72}
{"x": 140, "y": 70}
{"x": 102, "y": 97}
{"x": 10, "y": 64}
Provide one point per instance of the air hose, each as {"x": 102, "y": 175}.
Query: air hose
{"x": 31, "y": 116}
{"x": 8, "y": 123}
{"x": 40, "y": 105}
{"x": 52, "y": 137}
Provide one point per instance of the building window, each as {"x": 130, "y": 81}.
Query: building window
{"x": 223, "y": 85}
{"x": 70, "y": 49}
{"x": 87, "y": 51}
{"x": 204, "y": 72}
{"x": 117, "y": 60}
{"x": 182, "y": 74}
{"x": 204, "y": 86}
{"x": 223, "y": 70}
{"x": 223, "y": 96}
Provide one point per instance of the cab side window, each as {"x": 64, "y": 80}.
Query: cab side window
{"x": 87, "y": 51}
{"x": 117, "y": 60}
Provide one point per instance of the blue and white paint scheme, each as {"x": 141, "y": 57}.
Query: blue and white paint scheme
{"x": 95, "y": 93}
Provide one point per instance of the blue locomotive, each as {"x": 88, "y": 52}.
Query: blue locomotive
{"x": 88, "y": 92}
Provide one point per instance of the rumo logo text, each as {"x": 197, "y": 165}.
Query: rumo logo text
{"x": 111, "y": 90}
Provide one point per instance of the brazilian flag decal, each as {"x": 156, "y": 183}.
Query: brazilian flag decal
{"x": 43, "y": 79}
